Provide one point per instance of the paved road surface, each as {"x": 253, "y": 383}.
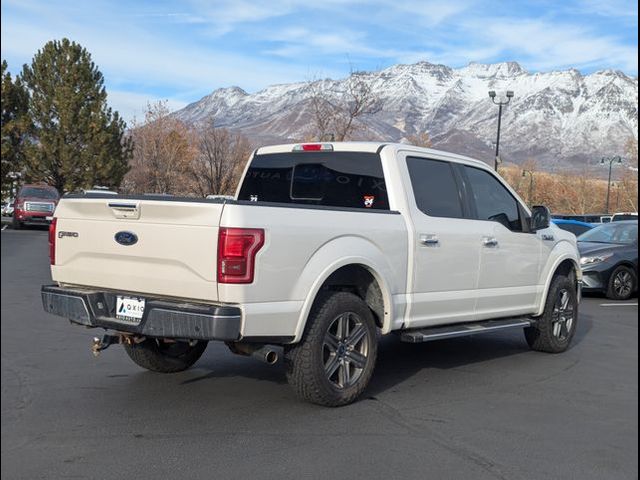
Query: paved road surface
{"x": 481, "y": 407}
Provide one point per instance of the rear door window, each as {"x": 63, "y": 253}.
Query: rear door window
{"x": 435, "y": 188}
{"x": 332, "y": 179}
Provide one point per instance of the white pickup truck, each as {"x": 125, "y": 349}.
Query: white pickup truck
{"x": 324, "y": 247}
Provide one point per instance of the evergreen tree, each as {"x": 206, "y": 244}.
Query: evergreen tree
{"x": 15, "y": 103}
{"x": 78, "y": 140}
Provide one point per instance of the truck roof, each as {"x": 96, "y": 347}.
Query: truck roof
{"x": 372, "y": 147}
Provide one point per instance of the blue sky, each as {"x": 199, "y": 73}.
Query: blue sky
{"x": 181, "y": 51}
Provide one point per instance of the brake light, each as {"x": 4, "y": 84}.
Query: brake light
{"x": 52, "y": 240}
{"x": 313, "y": 147}
{"x": 237, "y": 248}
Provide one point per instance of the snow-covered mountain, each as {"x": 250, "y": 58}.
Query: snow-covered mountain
{"x": 560, "y": 118}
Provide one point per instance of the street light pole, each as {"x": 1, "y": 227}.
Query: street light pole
{"x": 611, "y": 161}
{"x": 524, "y": 174}
{"x": 500, "y": 103}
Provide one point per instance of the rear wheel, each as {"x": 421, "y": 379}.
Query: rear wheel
{"x": 555, "y": 328}
{"x": 16, "y": 224}
{"x": 334, "y": 362}
{"x": 158, "y": 356}
{"x": 622, "y": 283}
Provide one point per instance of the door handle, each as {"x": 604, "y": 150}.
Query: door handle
{"x": 129, "y": 210}
{"x": 490, "y": 242}
{"x": 429, "y": 239}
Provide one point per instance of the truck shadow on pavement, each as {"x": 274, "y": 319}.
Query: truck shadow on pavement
{"x": 398, "y": 361}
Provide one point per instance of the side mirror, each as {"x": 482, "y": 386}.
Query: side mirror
{"x": 540, "y": 218}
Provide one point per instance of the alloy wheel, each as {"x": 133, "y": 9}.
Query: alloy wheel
{"x": 563, "y": 315}
{"x": 345, "y": 350}
{"x": 623, "y": 284}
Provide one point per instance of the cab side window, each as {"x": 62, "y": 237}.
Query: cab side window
{"x": 492, "y": 200}
{"x": 435, "y": 188}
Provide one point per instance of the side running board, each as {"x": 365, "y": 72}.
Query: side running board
{"x": 462, "y": 329}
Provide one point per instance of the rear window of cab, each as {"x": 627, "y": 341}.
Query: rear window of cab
{"x": 331, "y": 179}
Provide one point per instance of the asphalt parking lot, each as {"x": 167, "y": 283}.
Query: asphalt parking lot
{"x": 480, "y": 407}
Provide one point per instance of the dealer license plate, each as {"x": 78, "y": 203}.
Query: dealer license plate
{"x": 130, "y": 309}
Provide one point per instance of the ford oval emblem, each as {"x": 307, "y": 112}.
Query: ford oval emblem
{"x": 126, "y": 238}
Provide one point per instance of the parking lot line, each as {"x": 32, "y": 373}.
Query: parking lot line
{"x": 618, "y": 304}
{"x": 4, "y": 227}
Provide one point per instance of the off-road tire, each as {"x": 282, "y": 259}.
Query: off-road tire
{"x": 611, "y": 287}
{"x": 540, "y": 336}
{"x": 162, "y": 357}
{"x": 305, "y": 362}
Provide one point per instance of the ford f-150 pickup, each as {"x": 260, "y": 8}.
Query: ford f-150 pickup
{"x": 324, "y": 247}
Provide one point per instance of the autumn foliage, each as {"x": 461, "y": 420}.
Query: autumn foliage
{"x": 570, "y": 193}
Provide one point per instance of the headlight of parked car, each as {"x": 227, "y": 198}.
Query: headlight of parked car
{"x": 585, "y": 261}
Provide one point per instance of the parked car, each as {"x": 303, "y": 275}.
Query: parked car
{"x": 323, "y": 248}
{"x": 34, "y": 204}
{"x": 7, "y": 208}
{"x": 609, "y": 259}
{"x": 619, "y": 217}
{"x": 587, "y": 218}
{"x": 99, "y": 191}
{"x": 574, "y": 226}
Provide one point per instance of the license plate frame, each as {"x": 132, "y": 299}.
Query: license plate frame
{"x": 130, "y": 309}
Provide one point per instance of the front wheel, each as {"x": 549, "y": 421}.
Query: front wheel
{"x": 334, "y": 362}
{"x": 159, "y": 356}
{"x": 16, "y": 224}
{"x": 622, "y": 283}
{"x": 554, "y": 329}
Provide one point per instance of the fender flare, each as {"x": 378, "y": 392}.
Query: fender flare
{"x": 354, "y": 254}
{"x": 552, "y": 271}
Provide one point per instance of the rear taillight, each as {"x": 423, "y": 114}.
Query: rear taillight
{"x": 52, "y": 240}
{"x": 237, "y": 248}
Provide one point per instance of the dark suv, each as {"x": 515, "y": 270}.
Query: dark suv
{"x": 34, "y": 204}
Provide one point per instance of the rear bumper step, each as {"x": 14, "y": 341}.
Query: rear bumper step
{"x": 162, "y": 318}
{"x": 462, "y": 329}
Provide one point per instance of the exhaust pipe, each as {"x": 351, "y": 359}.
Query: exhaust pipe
{"x": 266, "y": 354}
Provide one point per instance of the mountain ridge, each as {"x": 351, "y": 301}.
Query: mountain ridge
{"x": 562, "y": 119}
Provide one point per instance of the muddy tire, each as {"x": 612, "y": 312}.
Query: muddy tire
{"x": 555, "y": 328}
{"x": 335, "y": 359}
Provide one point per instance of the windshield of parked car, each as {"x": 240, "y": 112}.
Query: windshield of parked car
{"x": 39, "y": 192}
{"x": 618, "y": 233}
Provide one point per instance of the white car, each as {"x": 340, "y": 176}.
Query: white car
{"x": 323, "y": 248}
{"x": 622, "y": 216}
{"x": 99, "y": 191}
{"x": 7, "y": 209}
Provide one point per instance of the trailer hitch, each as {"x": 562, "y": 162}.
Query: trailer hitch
{"x": 99, "y": 344}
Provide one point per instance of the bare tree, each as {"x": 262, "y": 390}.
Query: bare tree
{"x": 220, "y": 158}
{"x": 631, "y": 150}
{"x": 162, "y": 155}
{"x": 338, "y": 112}
{"x": 421, "y": 139}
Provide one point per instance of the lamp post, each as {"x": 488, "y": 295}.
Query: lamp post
{"x": 530, "y": 173}
{"x": 500, "y": 103}
{"x": 617, "y": 159}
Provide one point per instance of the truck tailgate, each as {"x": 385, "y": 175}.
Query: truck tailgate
{"x": 154, "y": 247}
